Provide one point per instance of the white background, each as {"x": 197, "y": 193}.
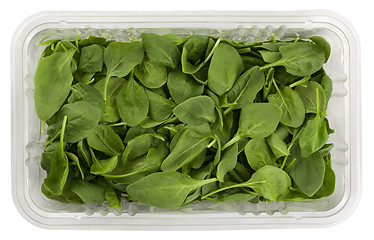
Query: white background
{"x": 358, "y": 12}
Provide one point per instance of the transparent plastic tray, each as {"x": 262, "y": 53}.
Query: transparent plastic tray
{"x": 343, "y": 113}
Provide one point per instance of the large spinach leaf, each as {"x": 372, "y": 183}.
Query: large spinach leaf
{"x": 52, "y": 81}
{"x": 133, "y": 103}
{"x": 225, "y": 67}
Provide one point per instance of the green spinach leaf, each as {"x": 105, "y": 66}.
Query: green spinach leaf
{"x": 165, "y": 189}
{"x": 189, "y": 145}
{"x": 196, "y": 110}
{"x": 53, "y": 79}
{"x": 300, "y": 58}
{"x": 225, "y": 67}
{"x": 151, "y": 75}
{"x": 133, "y": 103}
{"x": 161, "y": 50}
{"x": 182, "y": 86}
{"x": 104, "y": 139}
{"x": 259, "y": 154}
{"x": 91, "y": 59}
{"x": 120, "y": 58}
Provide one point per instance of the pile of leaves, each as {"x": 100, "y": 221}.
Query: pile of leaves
{"x": 170, "y": 120}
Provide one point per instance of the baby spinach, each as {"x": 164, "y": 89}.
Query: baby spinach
{"x": 326, "y": 84}
{"x": 91, "y": 59}
{"x": 151, "y": 75}
{"x": 313, "y": 97}
{"x": 160, "y": 108}
{"x": 170, "y": 120}
{"x": 268, "y": 181}
{"x": 91, "y": 40}
{"x": 88, "y": 192}
{"x": 52, "y": 81}
{"x": 47, "y": 155}
{"x": 293, "y": 110}
{"x": 259, "y": 154}
{"x": 270, "y": 56}
{"x": 105, "y": 140}
{"x": 75, "y": 162}
{"x": 189, "y": 145}
{"x": 137, "y": 147}
{"x": 322, "y": 43}
{"x": 160, "y": 50}
{"x": 328, "y": 185}
{"x": 227, "y": 162}
{"x": 182, "y": 86}
{"x": 120, "y": 58}
{"x": 100, "y": 167}
{"x": 196, "y": 54}
{"x": 84, "y": 153}
{"x": 314, "y": 135}
{"x": 225, "y": 67}
{"x": 133, "y": 103}
{"x": 196, "y": 110}
{"x": 193, "y": 51}
{"x": 176, "y": 39}
{"x": 151, "y": 164}
{"x": 87, "y": 93}
{"x": 257, "y": 120}
{"x": 316, "y": 132}
{"x": 300, "y": 58}
{"x": 271, "y": 183}
{"x": 277, "y": 145}
{"x": 308, "y": 173}
{"x": 110, "y": 105}
{"x": 165, "y": 189}
{"x": 83, "y": 117}
{"x": 59, "y": 170}
{"x": 245, "y": 89}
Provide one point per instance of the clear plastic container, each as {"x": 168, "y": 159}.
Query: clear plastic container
{"x": 343, "y": 113}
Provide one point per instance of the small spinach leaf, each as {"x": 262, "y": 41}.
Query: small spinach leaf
{"x": 165, "y": 189}
{"x": 245, "y": 89}
{"x": 313, "y": 97}
{"x": 160, "y": 50}
{"x": 225, "y": 67}
{"x": 56, "y": 179}
{"x": 151, "y": 75}
{"x": 104, "y": 139}
{"x": 114, "y": 86}
{"x": 322, "y": 43}
{"x": 293, "y": 110}
{"x": 91, "y": 59}
{"x": 259, "y": 154}
{"x": 133, "y": 103}
{"x": 314, "y": 135}
{"x": 182, "y": 86}
{"x": 160, "y": 108}
{"x": 227, "y": 162}
{"x": 277, "y": 145}
{"x": 82, "y": 117}
{"x": 120, "y": 58}
{"x": 88, "y": 192}
{"x": 300, "y": 58}
{"x": 196, "y": 110}
{"x": 189, "y": 145}
{"x": 308, "y": 173}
